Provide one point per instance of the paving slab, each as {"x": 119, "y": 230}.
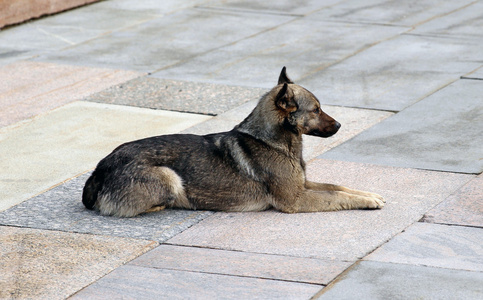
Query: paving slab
{"x": 301, "y": 45}
{"x": 460, "y": 23}
{"x": 343, "y": 235}
{"x": 276, "y": 267}
{"x": 61, "y": 209}
{"x": 396, "y": 73}
{"x": 407, "y": 13}
{"x": 185, "y": 96}
{"x": 434, "y": 245}
{"x": 40, "y": 264}
{"x": 465, "y": 207}
{"x": 302, "y": 7}
{"x": 476, "y": 74}
{"x": 376, "y": 280}
{"x": 70, "y": 140}
{"x": 431, "y": 134}
{"x": 31, "y": 88}
{"x": 168, "y": 40}
{"x": 133, "y": 282}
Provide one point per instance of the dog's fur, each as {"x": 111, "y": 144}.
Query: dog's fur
{"x": 255, "y": 166}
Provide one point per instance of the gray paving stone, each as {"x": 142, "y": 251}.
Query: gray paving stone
{"x": 343, "y": 235}
{"x": 133, "y": 282}
{"x": 433, "y": 245}
{"x": 287, "y": 268}
{"x": 61, "y": 209}
{"x": 396, "y": 73}
{"x": 185, "y": 96}
{"x": 44, "y": 264}
{"x": 461, "y": 23}
{"x": 476, "y": 74}
{"x": 281, "y": 7}
{"x": 441, "y": 132}
{"x": 303, "y": 46}
{"x": 375, "y": 280}
{"x": 465, "y": 207}
{"x": 407, "y": 13}
{"x": 165, "y": 41}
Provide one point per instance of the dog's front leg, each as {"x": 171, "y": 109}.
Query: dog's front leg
{"x": 332, "y": 187}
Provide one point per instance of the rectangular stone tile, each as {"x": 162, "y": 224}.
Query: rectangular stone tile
{"x": 396, "y": 73}
{"x": 165, "y": 41}
{"x": 343, "y": 235}
{"x": 287, "y": 268}
{"x": 407, "y": 13}
{"x": 442, "y": 246}
{"x": 279, "y": 7}
{"x": 61, "y": 209}
{"x": 302, "y": 45}
{"x": 380, "y": 281}
{"x": 31, "y": 88}
{"x": 465, "y": 207}
{"x": 205, "y": 98}
{"x": 70, "y": 140}
{"x": 133, "y": 282}
{"x": 39, "y": 264}
{"x": 441, "y": 132}
{"x": 463, "y": 23}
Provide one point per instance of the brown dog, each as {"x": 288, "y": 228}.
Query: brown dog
{"x": 253, "y": 167}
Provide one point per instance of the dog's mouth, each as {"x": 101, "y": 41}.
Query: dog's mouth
{"x": 325, "y": 133}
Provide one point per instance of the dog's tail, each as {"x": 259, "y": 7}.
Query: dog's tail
{"x": 91, "y": 190}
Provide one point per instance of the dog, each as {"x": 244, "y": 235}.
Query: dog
{"x": 256, "y": 166}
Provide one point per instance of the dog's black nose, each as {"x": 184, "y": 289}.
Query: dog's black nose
{"x": 337, "y": 125}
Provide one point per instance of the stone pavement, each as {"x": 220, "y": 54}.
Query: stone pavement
{"x": 405, "y": 79}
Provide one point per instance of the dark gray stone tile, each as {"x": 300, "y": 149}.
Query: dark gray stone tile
{"x": 61, "y": 209}
{"x": 396, "y": 73}
{"x": 433, "y": 245}
{"x": 133, "y": 282}
{"x": 304, "y": 46}
{"x": 204, "y": 98}
{"x": 277, "y": 267}
{"x": 465, "y": 207}
{"x": 441, "y": 132}
{"x": 168, "y": 40}
{"x": 407, "y": 13}
{"x": 375, "y": 280}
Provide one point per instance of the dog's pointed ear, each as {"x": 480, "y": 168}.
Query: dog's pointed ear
{"x": 285, "y": 99}
{"x": 283, "y": 78}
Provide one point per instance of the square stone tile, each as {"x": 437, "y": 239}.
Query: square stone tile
{"x": 441, "y": 132}
{"x": 396, "y": 73}
{"x": 375, "y": 280}
{"x": 465, "y": 207}
{"x": 41, "y": 264}
{"x": 70, "y": 140}
{"x": 185, "y": 96}
{"x": 300, "y": 45}
{"x": 31, "y": 88}
{"x": 61, "y": 209}
{"x": 407, "y": 13}
{"x": 276, "y": 267}
{"x": 133, "y": 282}
{"x": 343, "y": 235}
{"x": 442, "y": 246}
{"x": 166, "y": 41}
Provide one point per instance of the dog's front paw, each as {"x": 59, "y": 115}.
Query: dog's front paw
{"x": 374, "y": 202}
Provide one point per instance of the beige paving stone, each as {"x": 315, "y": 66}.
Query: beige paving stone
{"x": 30, "y": 88}
{"x": 70, "y": 140}
{"x": 343, "y": 235}
{"x": 40, "y": 264}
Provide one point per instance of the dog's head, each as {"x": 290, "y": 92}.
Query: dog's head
{"x": 300, "y": 109}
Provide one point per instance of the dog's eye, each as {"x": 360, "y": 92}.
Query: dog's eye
{"x": 316, "y": 111}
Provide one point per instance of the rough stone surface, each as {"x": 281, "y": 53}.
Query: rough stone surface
{"x": 287, "y": 268}
{"x": 61, "y": 209}
{"x": 133, "y": 282}
{"x": 465, "y": 207}
{"x": 442, "y": 246}
{"x": 376, "y": 280}
{"x": 39, "y": 264}
{"x": 431, "y": 134}
{"x": 343, "y": 235}
{"x": 45, "y": 86}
